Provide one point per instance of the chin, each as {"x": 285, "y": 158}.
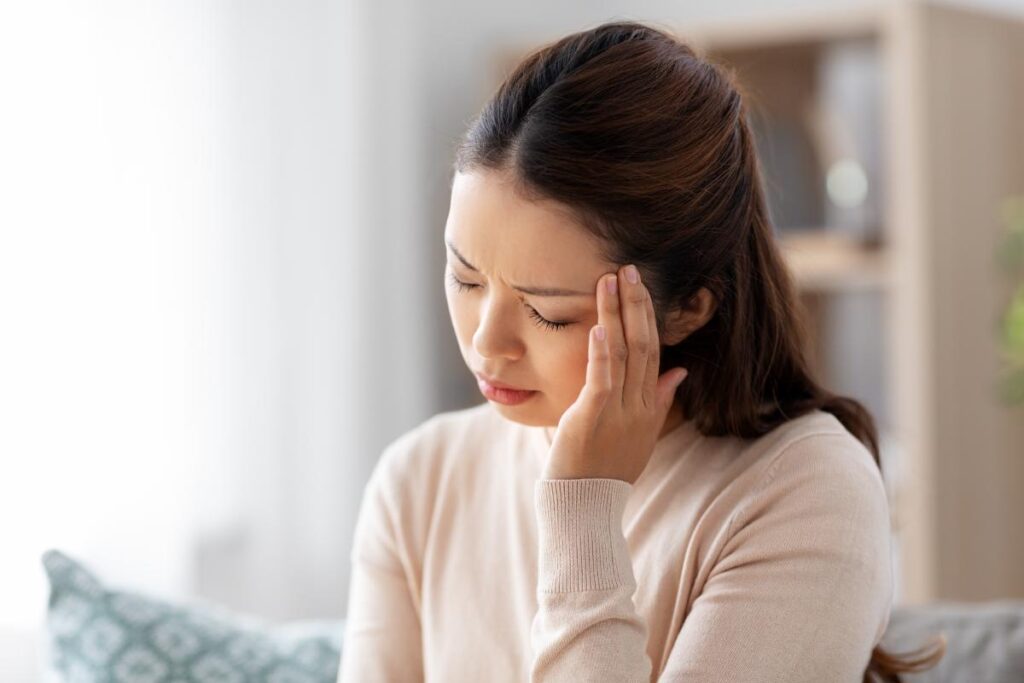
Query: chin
{"x": 528, "y": 416}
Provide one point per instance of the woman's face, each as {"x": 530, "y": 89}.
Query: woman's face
{"x": 508, "y": 328}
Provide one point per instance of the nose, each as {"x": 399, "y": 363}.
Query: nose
{"x": 497, "y": 333}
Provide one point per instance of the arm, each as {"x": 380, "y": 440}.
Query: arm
{"x": 586, "y": 626}
{"x": 802, "y": 589}
{"x": 382, "y": 629}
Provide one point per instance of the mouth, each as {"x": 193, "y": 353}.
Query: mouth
{"x": 496, "y": 384}
{"x": 502, "y": 393}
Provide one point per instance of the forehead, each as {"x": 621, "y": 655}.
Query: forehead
{"x": 497, "y": 229}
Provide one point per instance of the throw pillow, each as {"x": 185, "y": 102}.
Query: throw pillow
{"x": 99, "y": 634}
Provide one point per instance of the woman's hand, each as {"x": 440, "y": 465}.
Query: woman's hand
{"x": 610, "y": 430}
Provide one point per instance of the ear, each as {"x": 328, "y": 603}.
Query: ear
{"x": 682, "y": 322}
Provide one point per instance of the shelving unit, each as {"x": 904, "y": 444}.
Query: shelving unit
{"x": 938, "y": 130}
{"x": 889, "y": 136}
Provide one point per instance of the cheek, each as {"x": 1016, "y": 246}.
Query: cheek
{"x": 564, "y": 360}
{"x": 463, "y": 317}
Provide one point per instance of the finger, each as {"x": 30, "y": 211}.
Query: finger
{"x": 654, "y": 356}
{"x": 598, "y": 383}
{"x": 608, "y": 315}
{"x": 634, "y": 300}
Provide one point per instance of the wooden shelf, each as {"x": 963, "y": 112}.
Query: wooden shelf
{"x": 778, "y": 28}
{"x": 824, "y": 260}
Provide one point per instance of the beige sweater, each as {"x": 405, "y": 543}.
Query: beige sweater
{"x": 727, "y": 560}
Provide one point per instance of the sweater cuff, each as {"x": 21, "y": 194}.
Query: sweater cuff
{"x": 582, "y": 546}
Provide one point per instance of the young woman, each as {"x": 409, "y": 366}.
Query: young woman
{"x": 656, "y": 487}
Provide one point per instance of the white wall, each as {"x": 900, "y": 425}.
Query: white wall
{"x": 184, "y": 295}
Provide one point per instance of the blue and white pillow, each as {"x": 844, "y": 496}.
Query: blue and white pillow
{"x": 96, "y": 634}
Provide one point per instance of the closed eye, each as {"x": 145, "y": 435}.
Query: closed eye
{"x": 540, "y": 320}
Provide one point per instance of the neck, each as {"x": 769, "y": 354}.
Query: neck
{"x": 674, "y": 418}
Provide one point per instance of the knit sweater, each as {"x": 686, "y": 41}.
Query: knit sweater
{"x": 729, "y": 559}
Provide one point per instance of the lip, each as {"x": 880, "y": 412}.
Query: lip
{"x": 498, "y": 385}
{"x": 501, "y": 393}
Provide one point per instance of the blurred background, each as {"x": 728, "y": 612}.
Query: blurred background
{"x": 221, "y": 260}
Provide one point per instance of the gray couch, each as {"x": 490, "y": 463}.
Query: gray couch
{"x": 984, "y": 641}
{"x": 94, "y": 628}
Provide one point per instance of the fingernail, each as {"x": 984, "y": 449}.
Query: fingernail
{"x": 631, "y": 274}
{"x": 599, "y": 333}
{"x": 613, "y": 285}
{"x": 682, "y": 377}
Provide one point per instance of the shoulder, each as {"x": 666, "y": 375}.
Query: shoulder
{"x": 440, "y": 431}
{"x": 812, "y": 465}
{"x": 403, "y": 489}
{"x": 819, "y": 445}
{"x": 822, "y": 501}
{"x": 423, "y": 451}
{"x": 810, "y": 527}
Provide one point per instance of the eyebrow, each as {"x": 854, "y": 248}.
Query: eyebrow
{"x": 534, "y": 291}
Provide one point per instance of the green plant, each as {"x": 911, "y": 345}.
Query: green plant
{"x": 1011, "y": 326}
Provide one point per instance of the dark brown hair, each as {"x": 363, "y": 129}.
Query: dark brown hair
{"x": 650, "y": 145}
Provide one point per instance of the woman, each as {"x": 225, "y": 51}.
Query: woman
{"x": 595, "y": 519}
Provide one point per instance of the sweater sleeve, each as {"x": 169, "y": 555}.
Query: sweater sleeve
{"x": 803, "y": 586}
{"x": 586, "y": 626}
{"x": 382, "y": 641}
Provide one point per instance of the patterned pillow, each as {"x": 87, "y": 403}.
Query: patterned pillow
{"x": 96, "y": 634}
